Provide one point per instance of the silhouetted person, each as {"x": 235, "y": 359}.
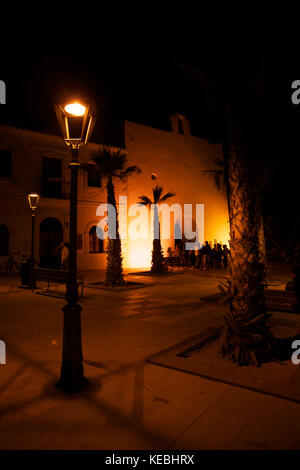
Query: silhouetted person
{"x": 217, "y": 255}
{"x": 192, "y": 258}
{"x": 64, "y": 250}
{"x": 206, "y": 256}
{"x": 170, "y": 252}
{"x": 225, "y": 256}
{"x": 180, "y": 252}
{"x": 198, "y": 259}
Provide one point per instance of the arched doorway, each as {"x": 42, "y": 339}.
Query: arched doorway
{"x": 51, "y": 234}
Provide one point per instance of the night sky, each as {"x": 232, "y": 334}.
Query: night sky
{"x": 135, "y": 75}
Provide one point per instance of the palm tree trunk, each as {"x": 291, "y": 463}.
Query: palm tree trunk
{"x": 261, "y": 238}
{"x": 157, "y": 252}
{"x": 114, "y": 270}
{"x": 245, "y": 339}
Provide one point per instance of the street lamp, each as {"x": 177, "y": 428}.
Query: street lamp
{"x": 76, "y": 122}
{"x": 33, "y": 200}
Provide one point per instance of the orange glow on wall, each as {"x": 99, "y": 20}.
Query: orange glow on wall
{"x": 221, "y": 234}
{"x": 138, "y": 254}
{"x": 216, "y": 224}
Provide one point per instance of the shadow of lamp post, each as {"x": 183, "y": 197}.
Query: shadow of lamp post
{"x": 76, "y": 122}
{"x": 33, "y": 200}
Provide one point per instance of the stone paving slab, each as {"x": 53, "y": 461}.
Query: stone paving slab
{"x": 192, "y": 356}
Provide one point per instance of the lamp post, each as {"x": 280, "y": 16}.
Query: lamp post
{"x": 76, "y": 122}
{"x": 33, "y": 200}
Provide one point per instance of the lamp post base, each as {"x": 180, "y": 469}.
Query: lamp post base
{"x": 71, "y": 384}
{"x": 71, "y": 372}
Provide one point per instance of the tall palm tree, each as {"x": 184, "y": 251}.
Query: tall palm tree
{"x": 157, "y": 252}
{"x": 111, "y": 162}
{"x": 236, "y": 93}
{"x": 246, "y": 338}
{"x": 221, "y": 181}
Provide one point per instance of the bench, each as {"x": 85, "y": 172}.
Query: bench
{"x": 282, "y": 300}
{"x": 172, "y": 261}
{"x": 55, "y": 276}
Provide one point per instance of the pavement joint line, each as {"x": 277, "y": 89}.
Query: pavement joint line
{"x": 188, "y": 426}
{"x": 205, "y": 337}
{"x": 232, "y": 384}
{"x": 243, "y": 428}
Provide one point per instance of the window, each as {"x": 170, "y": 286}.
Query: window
{"x": 95, "y": 243}
{"x": 4, "y": 240}
{"x": 51, "y": 177}
{"x": 94, "y": 178}
{"x": 5, "y": 163}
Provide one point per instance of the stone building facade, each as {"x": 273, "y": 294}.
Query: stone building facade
{"x": 32, "y": 161}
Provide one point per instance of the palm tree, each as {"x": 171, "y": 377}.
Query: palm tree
{"x": 157, "y": 252}
{"x": 221, "y": 180}
{"x": 110, "y": 162}
{"x": 246, "y": 338}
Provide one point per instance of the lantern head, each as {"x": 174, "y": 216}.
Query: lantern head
{"x": 76, "y": 122}
{"x": 33, "y": 200}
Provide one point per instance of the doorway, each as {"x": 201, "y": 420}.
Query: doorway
{"x": 51, "y": 234}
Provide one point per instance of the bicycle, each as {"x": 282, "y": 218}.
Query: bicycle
{"x": 10, "y": 265}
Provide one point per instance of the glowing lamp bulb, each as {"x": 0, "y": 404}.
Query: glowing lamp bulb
{"x": 33, "y": 200}
{"x": 76, "y": 109}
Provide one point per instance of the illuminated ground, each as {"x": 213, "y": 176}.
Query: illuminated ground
{"x": 131, "y": 404}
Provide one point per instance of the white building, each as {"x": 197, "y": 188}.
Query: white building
{"x": 32, "y": 161}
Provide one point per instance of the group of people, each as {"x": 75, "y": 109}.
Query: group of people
{"x": 205, "y": 258}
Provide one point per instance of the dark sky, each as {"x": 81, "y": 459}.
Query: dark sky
{"x": 135, "y": 74}
{"x": 128, "y": 80}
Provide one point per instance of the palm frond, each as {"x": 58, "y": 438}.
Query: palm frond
{"x": 144, "y": 201}
{"x": 201, "y": 76}
{"x": 217, "y": 174}
{"x": 129, "y": 171}
{"x": 167, "y": 196}
{"x": 111, "y": 162}
{"x": 157, "y": 193}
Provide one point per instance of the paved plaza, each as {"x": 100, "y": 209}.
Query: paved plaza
{"x": 131, "y": 403}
